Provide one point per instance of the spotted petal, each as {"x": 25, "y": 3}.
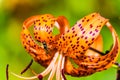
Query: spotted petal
{"x": 78, "y": 39}
{"x": 35, "y": 50}
{"x": 91, "y": 64}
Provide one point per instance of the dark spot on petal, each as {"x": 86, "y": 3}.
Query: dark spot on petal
{"x": 88, "y": 20}
{"x": 39, "y": 23}
{"x": 93, "y": 39}
{"x": 45, "y": 20}
{"x": 86, "y": 37}
{"x": 67, "y": 30}
{"x": 23, "y": 28}
{"x": 89, "y": 44}
{"x": 25, "y": 47}
{"x": 86, "y": 41}
{"x": 78, "y": 38}
{"x": 34, "y": 22}
{"x": 93, "y": 34}
{"x": 90, "y": 32}
{"x": 83, "y": 32}
{"x": 78, "y": 45}
{"x": 38, "y": 37}
{"x": 69, "y": 37}
{"x": 82, "y": 36}
{"x": 79, "y": 25}
{"x": 34, "y": 45}
{"x": 73, "y": 28}
{"x": 82, "y": 47}
{"x": 83, "y": 20}
{"x": 96, "y": 30}
{"x": 82, "y": 29}
{"x": 91, "y": 25}
{"x": 77, "y": 42}
{"x": 75, "y": 34}
{"x": 73, "y": 31}
{"x": 72, "y": 36}
{"x": 93, "y": 15}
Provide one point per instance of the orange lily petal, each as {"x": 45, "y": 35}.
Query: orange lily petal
{"x": 91, "y": 64}
{"x": 43, "y": 26}
{"x": 36, "y": 51}
{"x": 79, "y": 38}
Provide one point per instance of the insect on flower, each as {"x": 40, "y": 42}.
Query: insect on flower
{"x": 82, "y": 43}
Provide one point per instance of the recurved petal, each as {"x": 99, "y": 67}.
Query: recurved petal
{"x": 43, "y": 27}
{"x": 63, "y": 25}
{"x": 79, "y": 38}
{"x": 34, "y": 49}
{"x": 98, "y": 63}
{"x": 43, "y": 32}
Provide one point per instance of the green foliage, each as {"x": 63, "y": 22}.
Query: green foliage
{"x": 55, "y": 31}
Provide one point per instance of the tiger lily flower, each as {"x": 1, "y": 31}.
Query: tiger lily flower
{"x": 56, "y": 51}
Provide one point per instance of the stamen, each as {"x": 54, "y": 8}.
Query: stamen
{"x": 58, "y": 72}
{"x": 63, "y": 62}
{"x": 7, "y": 77}
{"x": 62, "y": 69}
{"x": 52, "y": 72}
{"x": 44, "y": 73}
{"x": 117, "y": 64}
{"x": 40, "y": 77}
{"x": 33, "y": 72}
{"x": 118, "y": 70}
{"x": 96, "y": 51}
{"x": 26, "y": 78}
{"x": 63, "y": 76}
{"x": 118, "y": 75}
{"x": 27, "y": 67}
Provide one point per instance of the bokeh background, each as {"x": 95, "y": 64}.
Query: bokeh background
{"x": 14, "y": 12}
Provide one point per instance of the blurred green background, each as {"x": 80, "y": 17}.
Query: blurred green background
{"x": 14, "y": 12}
